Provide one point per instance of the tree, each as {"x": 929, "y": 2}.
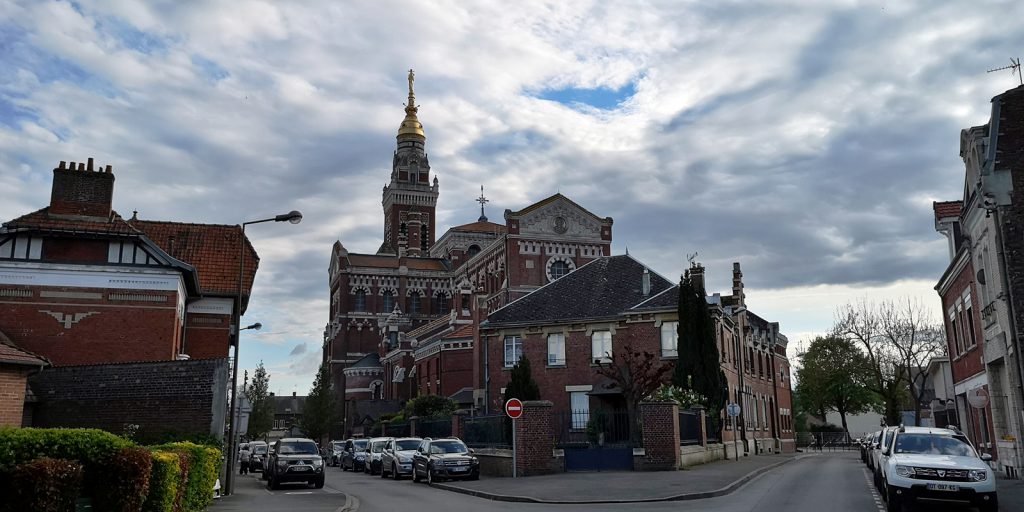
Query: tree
{"x": 261, "y": 419}
{"x": 637, "y": 374}
{"x": 698, "y": 368}
{"x": 834, "y": 375}
{"x": 898, "y": 339}
{"x": 521, "y": 384}
{"x": 429, "y": 406}
{"x": 320, "y": 412}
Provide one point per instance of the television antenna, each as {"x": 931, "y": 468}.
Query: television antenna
{"x": 1014, "y": 68}
{"x": 691, "y": 257}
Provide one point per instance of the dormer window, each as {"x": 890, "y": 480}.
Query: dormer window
{"x": 21, "y": 248}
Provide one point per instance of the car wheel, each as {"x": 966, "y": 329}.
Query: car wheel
{"x": 475, "y": 476}
{"x": 892, "y": 501}
{"x": 319, "y": 484}
{"x": 382, "y": 473}
{"x": 430, "y": 476}
{"x": 415, "y": 475}
{"x": 394, "y": 472}
{"x": 878, "y": 482}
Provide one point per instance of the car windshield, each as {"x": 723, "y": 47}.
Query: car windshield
{"x": 297, "y": 447}
{"x": 377, "y": 446}
{"x": 933, "y": 444}
{"x": 407, "y": 444}
{"x": 360, "y": 444}
{"x": 259, "y": 449}
{"x": 448, "y": 447}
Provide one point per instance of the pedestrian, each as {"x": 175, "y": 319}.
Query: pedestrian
{"x": 244, "y": 456}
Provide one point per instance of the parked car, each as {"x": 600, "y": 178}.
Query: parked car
{"x": 439, "y": 459}
{"x": 374, "y": 450}
{"x": 396, "y": 459}
{"x": 354, "y": 455}
{"x": 257, "y": 455}
{"x": 295, "y": 459}
{"x": 334, "y": 451}
{"x": 877, "y": 456}
{"x": 936, "y": 464}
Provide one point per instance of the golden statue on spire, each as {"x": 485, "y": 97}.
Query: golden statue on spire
{"x": 411, "y": 125}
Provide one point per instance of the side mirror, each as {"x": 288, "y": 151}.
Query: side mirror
{"x": 986, "y": 457}
{"x": 885, "y": 451}
{"x": 472, "y": 450}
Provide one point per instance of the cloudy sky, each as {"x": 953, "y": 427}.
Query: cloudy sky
{"x": 805, "y": 139}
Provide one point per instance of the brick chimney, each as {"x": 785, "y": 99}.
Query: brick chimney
{"x": 737, "y": 285}
{"x": 697, "y": 277}
{"x": 80, "y": 190}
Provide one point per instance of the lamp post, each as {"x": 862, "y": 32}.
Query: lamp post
{"x": 293, "y": 217}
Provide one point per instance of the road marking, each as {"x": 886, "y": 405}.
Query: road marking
{"x": 300, "y": 492}
{"x": 874, "y": 492}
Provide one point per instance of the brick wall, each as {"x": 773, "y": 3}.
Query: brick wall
{"x": 534, "y": 431}
{"x": 969, "y": 362}
{"x": 661, "y": 437}
{"x": 207, "y": 336}
{"x": 81, "y": 191}
{"x": 75, "y": 250}
{"x": 12, "y": 394}
{"x": 161, "y": 397}
{"x": 1010, "y": 157}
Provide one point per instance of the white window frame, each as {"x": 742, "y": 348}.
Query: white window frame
{"x": 601, "y": 346}
{"x": 579, "y": 407}
{"x": 670, "y": 345}
{"x": 516, "y": 344}
{"x": 556, "y": 349}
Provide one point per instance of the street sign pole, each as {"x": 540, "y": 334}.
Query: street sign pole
{"x": 734, "y": 410}
{"x": 514, "y": 409}
{"x": 513, "y": 447}
{"x": 735, "y": 450}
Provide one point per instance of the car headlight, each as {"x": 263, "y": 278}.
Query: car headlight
{"x": 282, "y": 464}
{"x": 404, "y": 460}
{"x": 904, "y": 470}
{"x": 978, "y": 475}
{"x": 474, "y": 461}
{"x": 318, "y": 462}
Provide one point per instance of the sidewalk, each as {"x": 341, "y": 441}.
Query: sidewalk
{"x": 1011, "y": 494}
{"x": 696, "y": 482}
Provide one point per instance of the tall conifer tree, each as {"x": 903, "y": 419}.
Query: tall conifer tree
{"x": 698, "y": 366}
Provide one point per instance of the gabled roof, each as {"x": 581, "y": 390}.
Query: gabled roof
{"x": 213, "y": 249}
{"x": 544, "y": 202}
{"x": 42, "y": 220}
{"x": 480, "y": 227}
{"x": 601, "y": 289}
{"x": 12, "y": 354}
{"x": 946, "y": 209}
{"x": 282, "y": 404}
{"x": 371, "y": 360}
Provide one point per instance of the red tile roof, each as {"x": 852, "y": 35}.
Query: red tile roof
{"x": 946, "y": 209}
{"x": 11, "y": 354}
{"x": 211, "y": 248}
{"x": 480, "y": 227}
{"x": 43, "y": 220}
{"x": 465, "y": 331}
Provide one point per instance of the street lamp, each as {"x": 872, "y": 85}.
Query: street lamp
{"x": 293, "y": 217}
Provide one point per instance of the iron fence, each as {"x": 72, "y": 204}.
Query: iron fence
{"x": 825, "y": 441}
{"x": 713, "y": 431}
{"x": 586, "y": 428}
{"x": 487, "y": 432}
{"x": 434, "y": 428}
{"x": 396, "y": 429}
{"x": 689, "y": 428}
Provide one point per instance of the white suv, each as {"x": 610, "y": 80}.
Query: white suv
{"x": 936, "y": 464}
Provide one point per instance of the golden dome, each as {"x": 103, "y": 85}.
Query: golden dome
{"x": 411, "y": 125}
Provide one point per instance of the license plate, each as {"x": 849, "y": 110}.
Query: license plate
{"x": 302, "y": 468}
{"x": 458, "y": 469}
{"x": 943, "y": 487}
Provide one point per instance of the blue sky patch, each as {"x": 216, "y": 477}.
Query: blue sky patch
{"x": 603, "y": 98}
{"x": 211, "y": 69}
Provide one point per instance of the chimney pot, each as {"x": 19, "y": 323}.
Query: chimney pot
{"x": 81, "y": 166}
{"x": 72, "y": 166}
{"x": 63, "y": 165}
{"x": 109, "y": 169}
{"x": 293, "y": 393}
{"x": 90, "y": 164}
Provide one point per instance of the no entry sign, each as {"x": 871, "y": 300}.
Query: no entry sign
{"x": 514, "y": 408}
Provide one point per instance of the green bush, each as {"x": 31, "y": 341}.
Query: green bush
{"x": 43, "y": 485}
{"x": 125, "y": 481}
{"x": 88, "y": 446}
{"x": 204, "y": 467}
{"x": 164, "y": 480}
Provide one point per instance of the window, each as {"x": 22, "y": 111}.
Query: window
{"x": 956, "y": 336}
{"x": 559, "y": 269}
{"x": 580, "y": 405}
{"x": 389, "y": 301}
{"x": 21, "y": 248}
{"x": 669, "y": 339}
{"x": 473, "y": 250}
{"x": 601, "y": 346}
{"x": 441, "y": 303}
{"x": 513, "y": 350}
{"x": 360, "y": 304}
{"x": 969, "y": 325}
{"x": 414, "y": 303}
{"x": 556, "y": 349}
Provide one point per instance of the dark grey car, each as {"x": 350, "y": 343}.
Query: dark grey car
{"x": 354, "y": 455}
{"x": 295, "y": 459}
{"x": 396, "y": 459}
{"x": 442, "y": 459}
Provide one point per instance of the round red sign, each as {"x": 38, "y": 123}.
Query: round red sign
{"x": 514, "y": 408}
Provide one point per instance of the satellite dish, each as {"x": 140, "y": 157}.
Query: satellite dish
{"x": 978, "y": 398}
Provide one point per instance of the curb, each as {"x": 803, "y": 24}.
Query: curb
{"x": 729, "y": 489}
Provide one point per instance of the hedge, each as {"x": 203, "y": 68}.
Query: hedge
{"x": 204, "y": 468}
{"x": 126, "y": 481}
{"x": 42, "y": 485}
{"x": 88, "y": 446}
{"x": 164, "y": 480}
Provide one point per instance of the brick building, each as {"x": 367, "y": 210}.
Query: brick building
{"x": 15, "y": 367}
{"x": 981, "y": 289}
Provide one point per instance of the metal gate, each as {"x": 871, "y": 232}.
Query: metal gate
{"x": 598, "y": 441}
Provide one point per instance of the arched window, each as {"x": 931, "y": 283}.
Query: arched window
{"x": 473, "y": 250}
{"x": 389, "y": 302}
{"x": 442, "y": 305}
{"x": 414, "y": 303}
{"x": 559, "y": 269}
{"x": 360, "y": 304}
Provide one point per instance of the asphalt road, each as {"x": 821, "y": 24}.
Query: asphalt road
{"x": 830, "y": 483}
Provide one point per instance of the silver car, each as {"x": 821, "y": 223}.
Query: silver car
{"x": 396, "y": 459}
{"x": 374, "y": 450}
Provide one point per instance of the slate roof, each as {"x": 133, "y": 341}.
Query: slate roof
{"x": 371, "y": 360}
{"x": 480, "y": 227}
{"x": 463, "y": 396}
{"x": 668, "y": 299}
{"x": 944, "y": 209}
{"x": 283, "y": 403}
{"x": 603, "y": 288}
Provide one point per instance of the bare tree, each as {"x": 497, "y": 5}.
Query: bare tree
{"x": 898, "y": 338}
{"x": 637, "y": 374}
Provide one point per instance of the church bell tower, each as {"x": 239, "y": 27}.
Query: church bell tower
{"x": 410, "y": 197}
